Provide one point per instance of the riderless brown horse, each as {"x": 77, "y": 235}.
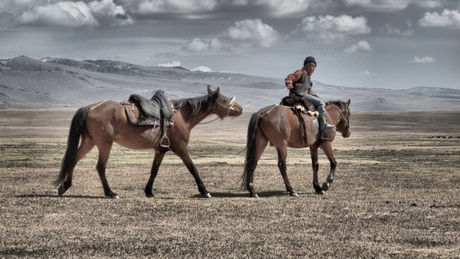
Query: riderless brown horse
{"x": 105, "y": 123}
{"x": 279, "y": 126}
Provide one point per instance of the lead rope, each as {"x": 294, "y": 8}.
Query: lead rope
{"x": 277, "y": 92}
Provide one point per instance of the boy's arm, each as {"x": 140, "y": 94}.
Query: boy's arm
{"x": 291, "y": 78}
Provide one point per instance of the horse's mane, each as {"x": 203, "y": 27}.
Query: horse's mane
{"x": 338, "y": 103}
{"x": 196, "y": 103}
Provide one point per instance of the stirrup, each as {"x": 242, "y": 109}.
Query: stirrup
{"x": 328, "y": 126}
{"x": 164, "y": 142}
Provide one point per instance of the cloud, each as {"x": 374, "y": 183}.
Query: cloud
{"x": 171, "y": 64}
{"x": 202, "y": 45}
{"x": 107, "y": 13}
{"x": 378, "y": 5}
{"x": 241, "y": 33}
{"x": 252, "y": 32}
{"x": 60, "y": 14}
{"x": 330, "y": 28}
{"x": 360, "y": 46}
{"x": 422, "y": 60}
{"x": 448, "y": 18}
{"x": 213, "y": 9}
{"x": 67, "y": 13}
{"x": 387, "y": 29}
{"x": 428, "y": 4}
{"x": 202, "y": 69}
{"x": 367, "y": 73}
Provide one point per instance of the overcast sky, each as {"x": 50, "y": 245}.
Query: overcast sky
{"x": 397, "y": 44}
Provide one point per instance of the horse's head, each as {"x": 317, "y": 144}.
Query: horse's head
{"x": 225, "y": 106}
{"x": 344, "y": 123}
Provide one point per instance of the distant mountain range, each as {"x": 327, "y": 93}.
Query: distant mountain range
{"x": 55, "y": 83}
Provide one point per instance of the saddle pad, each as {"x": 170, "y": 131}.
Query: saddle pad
{"x": 137, "y": 117}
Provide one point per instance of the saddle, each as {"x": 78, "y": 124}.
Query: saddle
{"x": 306, "y": 114}
{"x": 294, "y": 101}
{"x": 156, "y": 111}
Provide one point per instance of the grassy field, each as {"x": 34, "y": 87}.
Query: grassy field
{"x": 396, "y": 194}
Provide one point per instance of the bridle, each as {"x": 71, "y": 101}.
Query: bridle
{"x": 342, "y": 115}
{"x": 230, "y": 106}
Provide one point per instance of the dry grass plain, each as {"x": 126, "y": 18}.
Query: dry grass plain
{"x": 396, "y": 195}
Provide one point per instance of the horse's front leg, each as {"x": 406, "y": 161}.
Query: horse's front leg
{"x": 327, "y": 148}
{"x": 315, "y": 165}
{"x": 184, "y": 154}
{"x": 158, "y": 158}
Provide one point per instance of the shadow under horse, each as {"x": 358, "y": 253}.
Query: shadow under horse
{"x": 280, "y": 126}
{"x": 105, "y": 123}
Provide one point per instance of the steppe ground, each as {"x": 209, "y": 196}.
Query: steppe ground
{"x": 396, "y": 195}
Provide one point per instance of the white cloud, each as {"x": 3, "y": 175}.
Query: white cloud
{"x": 360, "y": 46}
{"x": 59, "y": 14}
{"x": 448, "y": 18}
{"x": 428, "y": 4}
{"x": 211, "y": 9}
{"x": 171, "y": 64}
{"x": 202, "y": 69}
{"x": 387, "y": 29}
{"x": 252, "y": 32}
{"x": 67, "y": 13}
{"x": 379, "y": 5}
{"x": 242, "y": 33}
{"x": 330, "y": 28}
{"x": 367, "y": 73}
{"x": 107, "y": 13}
{"x": 422, "y": 60}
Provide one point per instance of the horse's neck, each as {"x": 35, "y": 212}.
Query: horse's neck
{"x": 193, "y": 120}
{"x": 333, "y": 114}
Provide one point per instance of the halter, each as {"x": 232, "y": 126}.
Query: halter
{"x": 230, "y": 106}
{"x": 342, "y": 114}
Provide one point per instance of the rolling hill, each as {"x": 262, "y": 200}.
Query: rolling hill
{"x": 54, "y": 83}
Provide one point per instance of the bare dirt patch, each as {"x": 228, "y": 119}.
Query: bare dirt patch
{"x": 395, "y": 195}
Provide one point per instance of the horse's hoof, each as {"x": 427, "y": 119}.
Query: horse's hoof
{"x": 325, "y": 186}
{"x": 207, "y": 195}
{"x": 149, "y": 196}
{"x": 320, "y": 192}
{"x": 253, "y": 195}
{"x": 61, "y": 190}
{"x": 112, "y": 195}
{"x": 294, "y": 194}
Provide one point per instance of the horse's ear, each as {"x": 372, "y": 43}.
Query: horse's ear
{"x": 209, "y": 89}
{"x": 348, "y": 102}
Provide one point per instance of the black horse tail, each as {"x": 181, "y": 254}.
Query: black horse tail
{"x": 77, "y": 127}
{"x": 249, "y": 163}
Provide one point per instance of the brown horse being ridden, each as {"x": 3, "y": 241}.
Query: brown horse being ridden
{"x": 279, "y": 126}
{"x": 105, "y": 123}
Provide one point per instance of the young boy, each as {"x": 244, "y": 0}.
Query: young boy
{"x": 299, "y": 84}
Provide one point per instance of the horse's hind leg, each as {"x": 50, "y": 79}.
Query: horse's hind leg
{"x": 86, "y": 145}
{"x": 282, "y": 155}
{"x": 104, "y": 154}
